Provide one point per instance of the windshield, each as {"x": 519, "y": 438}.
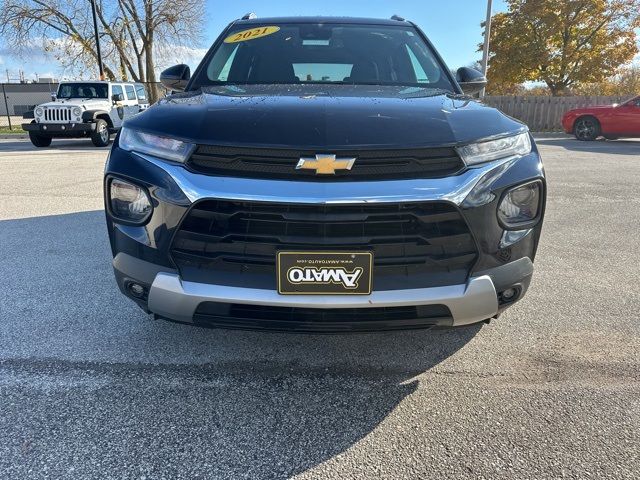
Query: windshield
{"x": 634, "y": 102}
{"x": 83, "y": 90}
{"x": 325, "y": 54}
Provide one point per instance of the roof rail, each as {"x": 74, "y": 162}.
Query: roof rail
{"x": 398, "y": 18}
{"x": 250, "y": 16}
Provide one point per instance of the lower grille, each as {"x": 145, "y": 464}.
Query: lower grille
{"x": 224, "y": 315}
{"x": 369, "y": 165}
{"x": 415, "y": 245}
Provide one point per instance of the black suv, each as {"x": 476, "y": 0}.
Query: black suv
{"x": 323, "y": 174}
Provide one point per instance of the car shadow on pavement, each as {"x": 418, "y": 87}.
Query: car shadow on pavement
{"x": 620, "y": 147}
{"x": 171, "y": 398}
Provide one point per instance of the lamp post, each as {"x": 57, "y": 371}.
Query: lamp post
{"x": 485, "y": 47}
{"x": 95, "y": 29}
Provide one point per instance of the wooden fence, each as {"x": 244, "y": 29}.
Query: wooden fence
{"x": 543, "y": 114}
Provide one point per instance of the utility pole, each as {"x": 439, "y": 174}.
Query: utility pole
{"x": 485, "y": 47}
{"x": 95, "y": 29}
{"x": 6, "y": 106}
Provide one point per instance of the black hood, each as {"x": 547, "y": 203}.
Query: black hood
{"x": 323, "y": 117}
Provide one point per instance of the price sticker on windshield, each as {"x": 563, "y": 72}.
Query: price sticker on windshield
{"x": 250, "y": 34}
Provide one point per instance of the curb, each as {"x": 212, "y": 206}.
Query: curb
{"x": 14, "y": 135}
{"x": 551, "y": 135}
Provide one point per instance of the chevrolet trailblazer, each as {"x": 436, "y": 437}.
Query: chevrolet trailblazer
{"x": 323, "y": 174}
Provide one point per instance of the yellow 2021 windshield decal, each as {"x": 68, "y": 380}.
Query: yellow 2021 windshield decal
{"x": 250, "y": 34}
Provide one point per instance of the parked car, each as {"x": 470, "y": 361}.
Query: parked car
{"x": 85, "y": 109}
{"x": 609, "y": 121}
{"x": 322, "y": 174}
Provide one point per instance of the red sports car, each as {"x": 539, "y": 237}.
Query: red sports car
{"x": 610, "y": 121}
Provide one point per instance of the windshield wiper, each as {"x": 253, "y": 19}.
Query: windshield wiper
{"x": 424, "y": 92}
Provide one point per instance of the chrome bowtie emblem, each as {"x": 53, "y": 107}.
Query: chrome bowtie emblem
{"x": 325, "y": 164}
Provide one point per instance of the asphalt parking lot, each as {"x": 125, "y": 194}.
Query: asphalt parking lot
{"x": 90, "y": 387}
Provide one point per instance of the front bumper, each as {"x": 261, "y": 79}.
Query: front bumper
{"x": 168, "y": 296}
{"x": 142, "y": 254}
{"x": 476, "y": 301}
{"x": 59, "y": 128}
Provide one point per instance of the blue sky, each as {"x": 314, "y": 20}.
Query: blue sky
{"x": 453, "y": 26}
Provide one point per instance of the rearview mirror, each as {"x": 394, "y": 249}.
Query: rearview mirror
{"x": 117, "y": 97}
{"x": 470, "y": 80}
{"x": 176, "y": 77}
{"x": 53, "y": 97}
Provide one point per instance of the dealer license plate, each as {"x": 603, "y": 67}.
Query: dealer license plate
{"x": 324, "y": 273}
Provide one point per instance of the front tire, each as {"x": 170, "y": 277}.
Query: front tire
{"x": 39, "y": 141}
{"x": 586, "y": 129}
{"x": 100, "y": 136}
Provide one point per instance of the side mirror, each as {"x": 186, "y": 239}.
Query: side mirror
{"x": 117, "y": 97}
{"x": 470, "y": 80}
{"x": 53, "y": 97}
{"x": 176, "y": 77}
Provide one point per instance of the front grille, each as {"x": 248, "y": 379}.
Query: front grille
{"x": 235, "y": 243}
{"x": 369, "y": 165}
{"x": 57, "y": 114}
{"x": 214, "y": 314}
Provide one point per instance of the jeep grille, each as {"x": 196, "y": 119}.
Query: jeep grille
{"x": 57, "y": 114}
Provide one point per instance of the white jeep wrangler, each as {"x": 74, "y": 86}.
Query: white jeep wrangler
{"x": 85, "y": 109}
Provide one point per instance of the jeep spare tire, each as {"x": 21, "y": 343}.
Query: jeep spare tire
{"x": 100, "y": 136}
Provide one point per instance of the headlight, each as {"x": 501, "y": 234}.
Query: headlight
{"x": 39, "y": 111}
{"x": 163, "y": 147}
{"x": 77, "y": 111}
{"x": 128, "y": 202}
{"x": 493, "y": 149}
{"x": 520, "y": 206}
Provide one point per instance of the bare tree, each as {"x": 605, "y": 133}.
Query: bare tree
{"x": 131, "y": 31}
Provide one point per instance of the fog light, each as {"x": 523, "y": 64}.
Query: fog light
{"x": 128, "y": 201}
{"x": 136, "y": 290}
{"x": 520, "y": 206}
{"x": 509, "y": 293}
